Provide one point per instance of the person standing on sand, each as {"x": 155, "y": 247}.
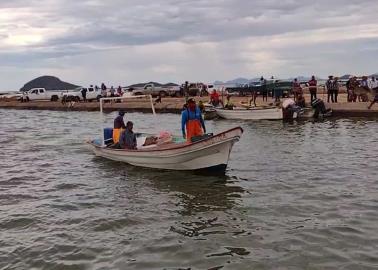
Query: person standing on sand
{"x": 329, "y": 86}
{"x": 296, "y": 89}
{"x": 349, "y": 89}
{"x": 112, "y": 91}
{"x": 84, "y": 94}
{"x": 264, "y": 89}
{"x": 336, "y": 87}
{"x": 186, "y": 90}
{"x": 103, "y": 90}
{"x": 373, "y": 84}
{"x": 119, "y": 91}
{"x": 313, "y": 87}
{"x": 374, "y": 100}
{"x": 192, "y": 123}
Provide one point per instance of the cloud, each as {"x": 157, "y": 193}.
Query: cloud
{"x": 175, "y": 40}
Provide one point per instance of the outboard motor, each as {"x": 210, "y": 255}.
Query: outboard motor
{"x": 319, "y": 107}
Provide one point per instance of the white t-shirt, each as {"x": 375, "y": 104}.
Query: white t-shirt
{"x": 287, "y": 102}
{"x": 373, "y": 84}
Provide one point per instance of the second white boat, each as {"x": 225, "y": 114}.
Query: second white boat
{"x": 271, "y": 113}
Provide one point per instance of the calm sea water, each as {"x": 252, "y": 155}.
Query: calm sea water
{"x": 300, "y": 195}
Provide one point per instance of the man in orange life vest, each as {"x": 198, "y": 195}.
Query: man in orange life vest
{"x": 192, "y": 123}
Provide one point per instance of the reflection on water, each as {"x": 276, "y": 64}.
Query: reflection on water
{"x": 295, "y": 196}
{"x": 196, "y": 193}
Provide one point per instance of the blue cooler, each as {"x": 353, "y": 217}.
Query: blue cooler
{"x": 108, "y": 135}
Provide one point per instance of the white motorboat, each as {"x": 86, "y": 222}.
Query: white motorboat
{"x": 257, "y": 113}
{"x": 211, "y": 152}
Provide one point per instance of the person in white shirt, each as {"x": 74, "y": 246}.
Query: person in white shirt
{"x": 364, "y": 82}
{"x": 373, "y": 83}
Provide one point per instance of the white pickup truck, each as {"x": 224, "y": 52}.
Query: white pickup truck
{"x": 76, "y": 95}
{"x": 163, "y": 91}
{"x": 41, "y": 94}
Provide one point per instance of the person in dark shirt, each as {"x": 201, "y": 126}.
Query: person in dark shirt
{"x": 119, "y": 125}
{"x": 84, "y": 94}
{"x": 127, "y": 139}
{"x": 264, "y": 89}
{"x": 330, "y": 88}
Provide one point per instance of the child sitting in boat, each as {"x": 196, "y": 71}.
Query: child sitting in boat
{"x": 128, "y": 139}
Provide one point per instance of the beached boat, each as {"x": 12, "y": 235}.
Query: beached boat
{"x": 263, "y": 113}
{"x": 210, "y": 153}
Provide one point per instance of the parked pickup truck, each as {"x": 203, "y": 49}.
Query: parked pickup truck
{"x": 76, "y": 95}
{"x": 163, "y": 91}
{"x": 41, "y": 94}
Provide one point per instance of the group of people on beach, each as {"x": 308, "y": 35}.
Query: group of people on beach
{"x": 332, "y": 87}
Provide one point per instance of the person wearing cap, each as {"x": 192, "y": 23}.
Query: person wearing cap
{"x": 119, "y": 125}
{"x": 192, "y": 123}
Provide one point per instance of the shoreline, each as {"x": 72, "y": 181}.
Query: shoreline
{"x": 174, "y": 105}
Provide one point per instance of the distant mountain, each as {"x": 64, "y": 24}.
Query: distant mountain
{"x": 346, "y": 77}
{"x": 305, "y": 78}
{"x": 155, "y": 83}
{"x": 170, "y": 84}
{"x": 238, "y": 81}
{"x": 374, "y": 75}
{"x": 49, "y": 83}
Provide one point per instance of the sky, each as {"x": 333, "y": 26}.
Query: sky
{"x": 121, "y": 42}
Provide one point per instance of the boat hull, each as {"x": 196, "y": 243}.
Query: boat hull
{"x": 210, "y": 153}
{"x": 253, "y": 114}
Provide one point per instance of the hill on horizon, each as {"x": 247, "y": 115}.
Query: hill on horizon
{"x": 155, "y": 83}
{"x": 49, "y": 83}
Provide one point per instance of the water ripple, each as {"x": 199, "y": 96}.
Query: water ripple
{"x": 296, "y": 195}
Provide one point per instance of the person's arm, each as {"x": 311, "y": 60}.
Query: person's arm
{"x": 123, "y": 124}
{"x": 135, "y": 142}
{"x": 202, "y": 122}
{"x": 122, "y": 140}
{"x": 184, "y": 117}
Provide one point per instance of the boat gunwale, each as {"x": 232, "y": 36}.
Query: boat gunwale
{"x": 248, "y": 110}
{"x": 180, "y": 146}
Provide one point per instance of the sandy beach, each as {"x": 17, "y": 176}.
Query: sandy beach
{"x": 174, "y": 105}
